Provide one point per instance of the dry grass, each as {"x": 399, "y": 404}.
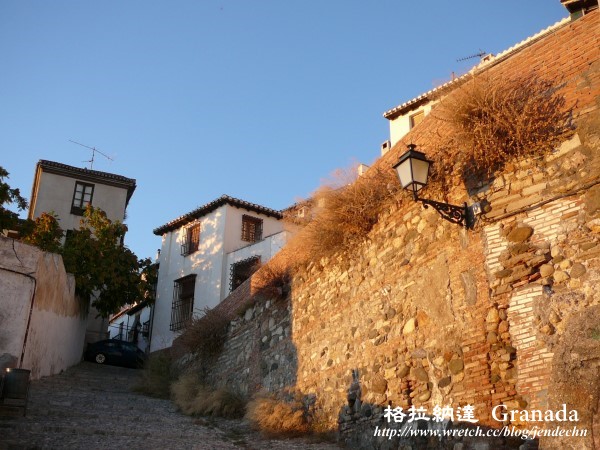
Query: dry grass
{"x": 493, "y": 121}
{"x": 157, "y": 376}
{"x": 342, "y": 213}
{"x": 346, "y": 209}
{"x": 274, "y": 277}
{"x": 196, "y": 399}
{"x": 204, "y": 336}
{"x": 278, "y": 417}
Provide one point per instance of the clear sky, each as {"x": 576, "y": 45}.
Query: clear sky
{"x": 258, "y": 99}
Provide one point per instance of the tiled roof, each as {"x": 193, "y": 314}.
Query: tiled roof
{"x": 88, "y": 175}
{"x": 209, "y": 207}
{"x": 45, "y": 164}
{"x": 400, "y": 109}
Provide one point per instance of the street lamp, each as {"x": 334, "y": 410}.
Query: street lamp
{"x": 413, "y": 171}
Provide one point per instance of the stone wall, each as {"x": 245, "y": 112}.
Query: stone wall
{"x": 430, "y": 314}
{"x": 258, "y": 353}
{"x": 424, "y": 313}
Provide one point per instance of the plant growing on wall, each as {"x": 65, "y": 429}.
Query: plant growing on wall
{"x": 205, "y": 335}
{"x": 347, "y": 209}
{"x": 8, "y": 196}
{"x": 495, "y": 120}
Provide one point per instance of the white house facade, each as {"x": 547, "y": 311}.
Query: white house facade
{"x": 66, "y": 191}
{"x": 132, "y": 324}
{"x": 207, "y": 253}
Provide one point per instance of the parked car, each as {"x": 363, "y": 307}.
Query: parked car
{"x": 115, "y": 352}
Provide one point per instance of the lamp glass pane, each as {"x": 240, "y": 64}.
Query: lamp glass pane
{"x": 420, "y": 172}
{"x": 404, "y": 173}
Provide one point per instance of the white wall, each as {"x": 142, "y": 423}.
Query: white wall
{"x": 55, "y": 193}
{"x": 57, "y": 326}
{"x": 128, "y": 322}
{"x": 233, "y": 231}
{"x": 400, "y": 126}
{"x": 220, "y": 234}
{"x": 266, "y": 249}
{"x": 206, "y": 263}
{"x": 96, "y": 326}
{"x": 15, "y": 300}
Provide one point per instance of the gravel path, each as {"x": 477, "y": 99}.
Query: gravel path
{"x": 92, "y": 407}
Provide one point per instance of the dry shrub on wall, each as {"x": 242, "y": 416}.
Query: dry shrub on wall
{"x": 493, "y": 120}
{"x": 274, "y": 277}
{"x": 204, "y": 336}
{"x": 278, "y": 416}
{"x": 342, "y": 214}
{"x": 346, "y": 210}
{"x": 196, "y": 399}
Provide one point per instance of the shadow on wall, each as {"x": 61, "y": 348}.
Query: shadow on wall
{"x": 256, "y": 352}
{"x": 576, "y": 374}
{"x": 378, "y": 427}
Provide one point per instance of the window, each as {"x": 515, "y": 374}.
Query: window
{"x": 81, "y": 197}
{"x": 192, "y": 240}
{"x": 146, "y": 328}
{"x": 183, "y": 302}
{"x": 241, "y": 271}
{"x": 251, "y": 228}
{"x": 416, "y": 118}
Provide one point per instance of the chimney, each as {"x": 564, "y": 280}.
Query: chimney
{"x": 362, "y": 169}
{"x": 385, "y": 147}
{"x": 578, "y": 8}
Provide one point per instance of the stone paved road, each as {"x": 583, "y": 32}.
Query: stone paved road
{"x": 93, "y": 407}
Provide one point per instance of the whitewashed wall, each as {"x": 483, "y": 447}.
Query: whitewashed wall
{"x": 220, "y": 234}
{"x": 266, "y": 249}
{"x": 57, "y": 326}
{"x": 128, "y": 322}
{"x": 206, "y": 263}
{"x": 55, "y": 193}
{"x": 400, "y": 126}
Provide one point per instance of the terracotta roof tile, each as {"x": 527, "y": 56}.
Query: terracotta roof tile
{"x": 211, "y": 206}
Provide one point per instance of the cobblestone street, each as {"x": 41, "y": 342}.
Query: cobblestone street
{"x": 93, "y": 407}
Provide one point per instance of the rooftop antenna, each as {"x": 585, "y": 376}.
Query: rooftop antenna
{"x": 480, "y": 55}
{"x": 94, "y": 150}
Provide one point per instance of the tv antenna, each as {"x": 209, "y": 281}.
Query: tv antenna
{"x": 480, "y": 55}
{"x": 94, "y": 151}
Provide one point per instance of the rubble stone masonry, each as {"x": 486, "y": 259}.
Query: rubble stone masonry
{"x": 427, "y": 313}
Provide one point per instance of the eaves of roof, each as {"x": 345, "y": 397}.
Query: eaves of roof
{"x": 423, "y": 98}
{"x": 210, "y": 207}
{"x": 88, "y": 175}
{"x": 130, "y": 310}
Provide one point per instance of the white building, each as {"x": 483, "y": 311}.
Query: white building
{"x": 205, "y": 255}
{"x": 66, "y": 191}
{"x": 408, "y": 115}
{"x": 132, "y": 324}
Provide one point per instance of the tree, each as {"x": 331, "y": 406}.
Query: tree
{"x": 43, "y": 232}
{"x": 8, "y": 195}
{"x": 105, "y": 270}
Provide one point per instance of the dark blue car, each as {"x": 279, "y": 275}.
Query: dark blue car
{"x": 115, "y": 352}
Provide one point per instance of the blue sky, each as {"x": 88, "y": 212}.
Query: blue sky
{"x": 258, "y": 99}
